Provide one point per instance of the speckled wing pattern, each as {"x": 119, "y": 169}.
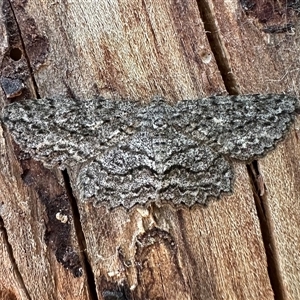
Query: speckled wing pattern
{"x": 124, "y": 153}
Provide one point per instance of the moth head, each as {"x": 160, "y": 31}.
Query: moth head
{"x": 156, "y": 114}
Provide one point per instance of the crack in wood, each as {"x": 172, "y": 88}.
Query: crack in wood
{"x": 12, "y": 259}
{"x": 35, "y": 86}
{"x": 80, "y": 238}
{"x": 259, "y": 194}
{"x": 217, "y": 47}
{"x": 267, "y": 232}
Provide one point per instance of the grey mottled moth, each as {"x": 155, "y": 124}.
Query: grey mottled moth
{"x": 123, "y": 152}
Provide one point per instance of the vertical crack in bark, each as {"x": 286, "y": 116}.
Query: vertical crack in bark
{"x": 260, "y": 197}
{"x": 80, "y": 237}
{"x": 217, "y": 46}
{"x": 12, "y": 259}
{"x": 76, "y": 215}
{"x": 25, "y": 52}
{"x": 264, "y": 217}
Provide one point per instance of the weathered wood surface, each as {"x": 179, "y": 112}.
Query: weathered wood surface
{"x": 137, "y": 49}
{"x": 262, "y": 61}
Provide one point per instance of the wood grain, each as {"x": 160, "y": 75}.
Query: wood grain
{"x": 11, "y": 285}
{"x": 283, "y": 205}
{"x": 116, "y": 49}
{"x": 28, "y": 225}
{"x": 262, "y": 61}
{"x": 30, "y": 198}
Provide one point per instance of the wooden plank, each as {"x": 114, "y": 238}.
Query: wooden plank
{"x": 263, "y": 48}
{"x": 123, "y": 53}
{"x": 11, "y": 285}
{"x": 31, "y": 198}
{"x": 260, "y": 62}
{"x": 138, "y": 49}
{"x": 283, "y": 206}
{"x": 28, "y": 224}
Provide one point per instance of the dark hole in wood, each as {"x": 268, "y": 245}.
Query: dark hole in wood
{"x": 15, "y": 54}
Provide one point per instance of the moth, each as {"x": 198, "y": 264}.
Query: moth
{"x": 124, "y": 152}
